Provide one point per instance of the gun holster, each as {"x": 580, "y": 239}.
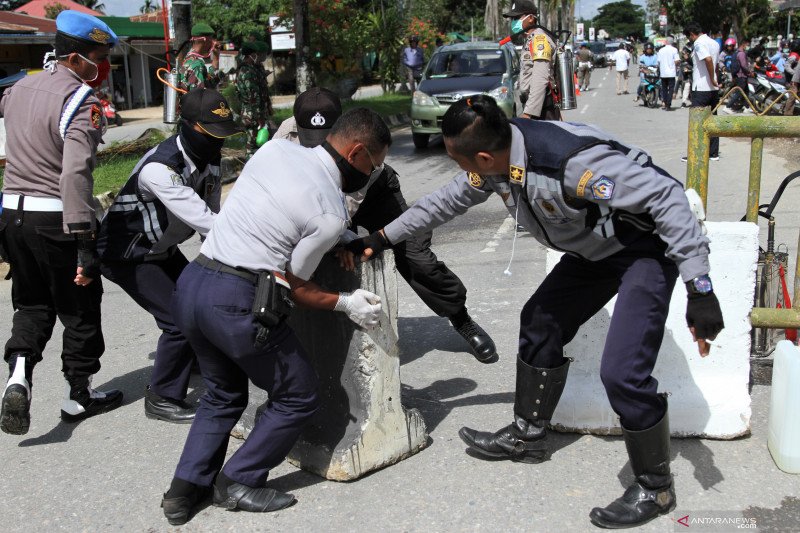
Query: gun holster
{"x": 272, "y": 304}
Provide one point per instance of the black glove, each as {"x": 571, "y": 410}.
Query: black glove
{"x": 87, "y": 255}
{"x": 704, "y": 315}
{"x": 375, "y": 240}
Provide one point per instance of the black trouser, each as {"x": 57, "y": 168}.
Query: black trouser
{"x": 151, "y": 285}
{"x": 43, "y": 262}
{"x": 737, "y": 99}
{"x": 434, "y": 283}
{"x": 667, "y": 90}
{"x": 642, "y": 278}
{"x": 708, "y": 99}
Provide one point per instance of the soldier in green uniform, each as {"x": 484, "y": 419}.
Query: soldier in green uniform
{"x": 194, "y": 72}
{"x": 251, "y": 88}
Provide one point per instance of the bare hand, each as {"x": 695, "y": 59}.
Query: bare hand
{"x": 525, "y": 115}
{"x": 703, "y": 346}
{"x": 346, "y": 259}
{"x": 82, "y": 280}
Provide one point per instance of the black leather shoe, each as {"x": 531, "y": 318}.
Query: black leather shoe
{"x": 82, "y": 401}
{"x": 636, "y": 507}
{"x": 479, "y": 341}
{"x": 175, "y": 411}
{"x": 238, "y": 497}
{"x": 15, "y": 418}
{"x": 179, "y": 510}
{"x": 521, "y": 442}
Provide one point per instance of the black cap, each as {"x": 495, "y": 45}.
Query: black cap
{"x": 210, "y": 111}
{"x": 521, "y": 7}
{"x": 315, "y": 112}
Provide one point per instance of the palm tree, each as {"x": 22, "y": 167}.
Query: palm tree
{"x": 96, "y": 5}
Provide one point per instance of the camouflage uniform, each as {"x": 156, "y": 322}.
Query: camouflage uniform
{"x": 194, "y": 73}
{"x": 253, "y": 94}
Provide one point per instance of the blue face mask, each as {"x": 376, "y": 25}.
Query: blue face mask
{"x": 516, "y": 26}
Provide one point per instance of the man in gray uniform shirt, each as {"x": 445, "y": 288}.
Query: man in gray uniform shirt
{"x": 53, "y": 125}
{"x": 286, "y": 211}
{"x": 577, "y": 189}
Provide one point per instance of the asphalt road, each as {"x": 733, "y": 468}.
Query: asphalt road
{"x": 108, "y": 473}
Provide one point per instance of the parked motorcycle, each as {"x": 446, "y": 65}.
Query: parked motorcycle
{"x": 109, "y": 111}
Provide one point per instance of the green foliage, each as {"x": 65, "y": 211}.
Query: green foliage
{"x": 51, "y": 11}
{"x": 621, "y": 19}
{"x": 97, "y": 5}
{"x": 235, "y": 19}
{"x": 740, "y": 17}
{"x": 386, "y": 30}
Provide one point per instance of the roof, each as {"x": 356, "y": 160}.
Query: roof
{"x": 124, "y": 27}
{"x": 153, "y": 16}
{"x": 36, "y": 8}
{"x": 39, "y": 24}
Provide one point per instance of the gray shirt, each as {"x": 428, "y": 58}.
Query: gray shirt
{"x": 285, "y": 211}
{"x": 620, "y": 187}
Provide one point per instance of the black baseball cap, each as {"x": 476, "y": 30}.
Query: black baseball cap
{"x": 521, "y": 7}
{"x": 315, "y": 112}
{"x": 209, "y": 109}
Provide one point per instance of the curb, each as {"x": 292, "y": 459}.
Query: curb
{"x": 231, "y": 166}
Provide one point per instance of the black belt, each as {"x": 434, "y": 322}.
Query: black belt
{"x": 248, "y": 275}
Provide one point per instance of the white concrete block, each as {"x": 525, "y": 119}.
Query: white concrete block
{"x": 709, "y": 395}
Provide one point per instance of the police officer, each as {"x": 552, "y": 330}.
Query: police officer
{"x": 585, "y": 58}
{"x": 173, "y": 191}
{"x": 194, "y": 73}
{"x": 537, "y": 85}
{"x": 53, "y": 126}
{"x": 286, "y": 211}
{"x": 627, "y": 230}
{"x": 378, "y": 204}
{"x": 251, "y": 88}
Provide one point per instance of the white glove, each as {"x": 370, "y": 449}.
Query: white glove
{"x": 362, "y": 307}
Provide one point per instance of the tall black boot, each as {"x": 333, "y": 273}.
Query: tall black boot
{"x": 653, "y": 493}
{"x": 537, "y": 394}
{"x": 82, "y": 401}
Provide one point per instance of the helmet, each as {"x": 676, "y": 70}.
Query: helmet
{"x": 730, "y": 41}
{"x": 649, "y": 46}
{"x": 414, "y": 39}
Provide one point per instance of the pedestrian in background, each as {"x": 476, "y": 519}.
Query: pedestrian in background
{"x": 585, "y": 58}
{"x": 194, "y": 72}
{"x": 647, "y": 59}
{"x": 668, "y": 61}
{"x": 622, "y": 59}
{"x": 740, "y": 70}
{"x": 54, "y": 124}
{"x": 686, "y": 73}
{"x": 705, "y": 89}
{"x": 253, "y": 92}
{"x": 173, "y": 192}
{"x": 413, "y": 61}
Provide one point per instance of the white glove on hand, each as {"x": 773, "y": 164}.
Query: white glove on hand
{"x": 362, "y": 307}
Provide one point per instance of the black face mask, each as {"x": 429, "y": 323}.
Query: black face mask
{"x": 352, "y": 179}
{"x": 201, "y": 148}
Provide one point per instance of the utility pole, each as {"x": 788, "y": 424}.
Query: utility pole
{"x": 182, "y": 20}
{"x": 302, "y": 41}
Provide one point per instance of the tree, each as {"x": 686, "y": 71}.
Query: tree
{"x": 96, "y": 5}
{"x": 740, "y": 17}
{"x": 149, "y": 6}
{"x": 10, "y": 5}
{"x": 236, "y": 19}
{"x": 51, "y": 11}
{"x": 621, "y": 19}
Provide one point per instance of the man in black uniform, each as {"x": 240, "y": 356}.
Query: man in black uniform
{"x": 380, "y": 202}
{"x": 54, "y": 124}
{"x": 627, "y": 230}
{"x": 173, "y": 191}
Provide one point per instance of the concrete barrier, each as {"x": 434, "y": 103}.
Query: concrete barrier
{"x": 709, "y": 396}
{"x": 362, "y": 425}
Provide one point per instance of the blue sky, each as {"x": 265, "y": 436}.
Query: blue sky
{"x": 123, "y": 8}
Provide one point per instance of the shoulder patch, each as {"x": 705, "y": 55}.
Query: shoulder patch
{"x": 176, "y": 179}
{"x": 540, "y": 48}
{"x": 475, "y": 180}
{"x": 580, "y": 190}
{"x": 516, "y": 174}
{"x": 603, "y": 188}
{"x": 97, "y": 121}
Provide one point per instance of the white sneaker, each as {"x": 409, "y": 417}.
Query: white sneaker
{"x": 727, "y": 111}
{"x": 748, "y": 111}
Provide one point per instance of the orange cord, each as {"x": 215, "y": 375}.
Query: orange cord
{"x": 165, "y": 82}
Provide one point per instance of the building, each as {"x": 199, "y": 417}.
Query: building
{"x": 38, "y": 8}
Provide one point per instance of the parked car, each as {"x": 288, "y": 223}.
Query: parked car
{"x": 459, "y": 71}
{"x": 598, "y": 48}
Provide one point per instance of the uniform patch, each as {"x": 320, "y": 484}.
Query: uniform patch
{"x": 540, "y": 48}
{"x": 603, "y": 189}
{"x": 516, "y": 174}
{"x": 176, "y": 179}
{"x": 222, "y": 110}
{"x": 581, "y": 189}
{"x": 96, "y": 118}
{"x": 552, "y": 211}
{"x": 475, "y": 179}
{"x": 99, "y": 36}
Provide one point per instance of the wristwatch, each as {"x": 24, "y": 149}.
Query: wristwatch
{"x": 700, "y": 285}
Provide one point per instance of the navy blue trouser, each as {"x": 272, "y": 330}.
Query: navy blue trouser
{"x": 151, "y": 285}
{"x": 643, "y": 279}
{"x": 213, "y": 309}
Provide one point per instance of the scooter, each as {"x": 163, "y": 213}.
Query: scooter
{"x": 109, "y": 111}
{"x": 651, "y": 86}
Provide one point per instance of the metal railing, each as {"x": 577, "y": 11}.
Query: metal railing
{"x": 702, "y": 126}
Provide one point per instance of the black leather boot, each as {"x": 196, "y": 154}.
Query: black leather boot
{"x": 159, "y": 408}
{"x": 480, "y": 343}
{"x": 538, "y": 392}
{"x": 82, "y": 401}
{"x": 235, "y": 496}
{"x": 653, "y": 493}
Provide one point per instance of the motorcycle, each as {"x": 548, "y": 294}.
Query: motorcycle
{"x": 109, "y": 111}
{"x": 651, "y": 86}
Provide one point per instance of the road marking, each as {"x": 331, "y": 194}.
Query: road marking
{"x": 507, "y": 226}
{"x": 594, "y": 94}
{"x": 599, "y": 85}
{"x": 584, "y": 109}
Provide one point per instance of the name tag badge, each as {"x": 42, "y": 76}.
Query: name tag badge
{"x": 551, "y": 211}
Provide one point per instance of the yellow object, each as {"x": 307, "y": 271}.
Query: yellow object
{"x": 540, "y": 48}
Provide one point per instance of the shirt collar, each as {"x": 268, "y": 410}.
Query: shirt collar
{"x": 189, "y": 162}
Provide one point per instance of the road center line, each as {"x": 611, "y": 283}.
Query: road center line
{"x": 507, "y": 226}
{"x": 584, "y": 109}
{"x": 594, "y": 94}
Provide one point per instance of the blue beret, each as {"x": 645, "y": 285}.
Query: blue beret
{"x": 85, "y": 27}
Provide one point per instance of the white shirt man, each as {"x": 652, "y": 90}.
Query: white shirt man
{"x": 622, "y": 58}
{"x": 668, "y": 61}
{"x": 702, "y": 79}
